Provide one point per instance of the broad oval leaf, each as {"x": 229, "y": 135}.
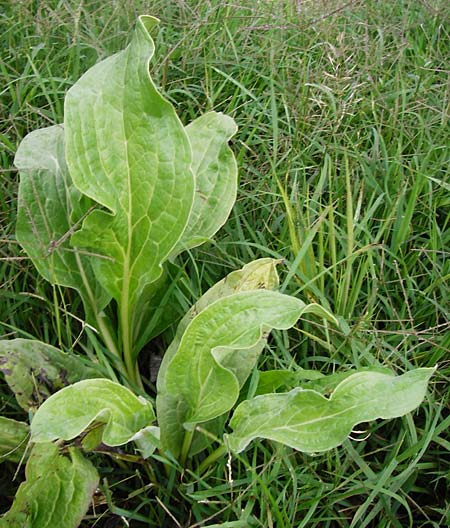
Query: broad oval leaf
{"x": 69, "y": 412}
{"x": 13, "y": 439}
{"x": 57, "y": 491}
{"x": 308, "y": 421}
{"x": 219, "y": 345}
{"x": 127, "y": 150}
{"x": 49, "y": 209}
{"x": 215, "y": 171}
{"x": 34, "y": 370}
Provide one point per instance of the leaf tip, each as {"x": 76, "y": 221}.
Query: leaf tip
{"x": 148, "y": 22}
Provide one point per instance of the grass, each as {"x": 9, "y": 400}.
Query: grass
{"x": 343, "y": 153}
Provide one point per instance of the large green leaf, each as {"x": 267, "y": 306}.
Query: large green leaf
{"x": 208, "y": 366}
{"x": 35, "y": 370}
{"x": 215, "y": 171}
{"x": 171, "y": 408}
{"x": 57, "y": 491}
{"x": 127, "y": 150}
{"x": 49, "y": 209}
{"x": 258, "y": 274}
{"x": 13, "y": 439}
{"x": 69, "y": 412}
{"x": 218, "y": 350}
{"x": 308, "y": 421}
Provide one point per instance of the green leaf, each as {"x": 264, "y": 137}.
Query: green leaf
{"x": 284, "y": 380}
{"x": 127, "y": 150}
{"x": 171, "y": 409}
{"x": 218, "y": 350}
{"x": 34, "y": 370}
{"x": 272, "y": 380}
{"x": 147, "y": 440}
{"x": 258, "y": 274}
{"x": 93, "y": 438}
{"x": 207, "y": 434}
{"x": 230, "y": 524}
{"x": 69, "y": 412}
{"x": 327, "y": 384}
{"x": 13, "y": 439}
{"x": 215, "y": 171}
{"x": 57, "y": 491}
{"x": 310, "y": 422}
{"x": 49, "y": 209}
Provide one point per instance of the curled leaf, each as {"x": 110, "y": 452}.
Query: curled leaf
{"x": 310, "y": 422}
{"x": 171, "y": 409}
{"x": 256, "y": 275}
{"x": 217, "y": 352}
{"x": 69, "y": 412}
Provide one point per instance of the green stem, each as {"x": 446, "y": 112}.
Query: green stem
{"x": 126, "y": 366}
{"x": 91, "y": 308}
{"x": 126, "y": 342}
{"x": 127, "y": 349}
{"x": 215, "y": 455}
{"x": 58, "y": 320}
{"x": 138, "y": 378}
{"x": 107, "y": 337}
{"x": 111, "y": 344}
{"x": 187, "y": 441}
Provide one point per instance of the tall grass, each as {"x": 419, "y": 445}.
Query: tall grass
{"x": 343, "y": 150}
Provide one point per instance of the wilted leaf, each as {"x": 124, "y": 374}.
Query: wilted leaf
{"x": 35, "y": 370}
{"x": 13, "y": 439}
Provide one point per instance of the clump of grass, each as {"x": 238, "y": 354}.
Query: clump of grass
{"x": 343, "y": 153}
